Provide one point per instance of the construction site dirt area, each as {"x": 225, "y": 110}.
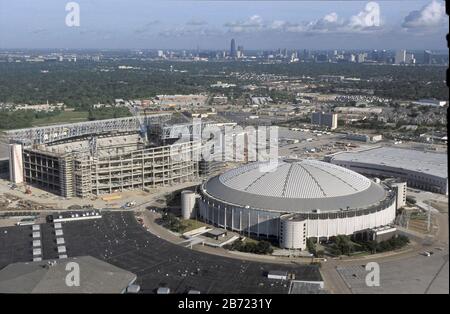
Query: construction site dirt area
{"x": 17, "y": 199}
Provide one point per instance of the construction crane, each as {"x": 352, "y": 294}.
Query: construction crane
{"x": 141, "y": 119}
{"x": 142, "y": 127}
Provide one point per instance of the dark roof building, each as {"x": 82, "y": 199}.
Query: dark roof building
{"x": 95, "y": 276}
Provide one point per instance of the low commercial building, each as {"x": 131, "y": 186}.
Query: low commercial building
{"x": 431, "y": 102}
{"x": 382, "y": 233}
{"x": 364, "y": 137}
{"x": 96, "y": 276}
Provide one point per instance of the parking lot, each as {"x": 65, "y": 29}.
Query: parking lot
{"x": 118, "y": 239}
{"x": 415, "y": 275}
{"x": 15, "y": 245}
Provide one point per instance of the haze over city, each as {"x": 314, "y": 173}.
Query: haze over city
{"x": 211, "y": 24}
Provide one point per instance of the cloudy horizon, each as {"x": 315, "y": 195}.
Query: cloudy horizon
{"x": 139, "y": 24}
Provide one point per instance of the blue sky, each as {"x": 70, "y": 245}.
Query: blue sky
{"x": 171, "y": 24}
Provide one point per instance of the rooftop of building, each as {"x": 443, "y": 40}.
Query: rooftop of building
{"x": 295, "y": 186}
{"x": 49, "y": 276}
{"x": 409, "y": 159}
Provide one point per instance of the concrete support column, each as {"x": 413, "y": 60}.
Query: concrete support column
{"x": 225, "y": 217}
{"x": 232, "y": 218}
{"x": 240, "y": 220}
{"x": 257, "y": 224}
{"x": 248, "y": 224}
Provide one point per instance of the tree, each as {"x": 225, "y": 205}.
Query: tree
{"x": 311, "y": 246}
{"x": 371, "y": 246}
{"x": 262, "y": 247}
{"x": 172, "y": 222}
{"x": 343, "y": 245}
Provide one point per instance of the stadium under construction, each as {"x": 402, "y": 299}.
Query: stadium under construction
{"x": 102, "y": 157}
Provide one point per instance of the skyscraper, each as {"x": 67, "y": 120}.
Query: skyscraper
{"x": 240, "y": 51}
{"x": 409, "y": 58}
{"x": 400, "y": 57}
{"x": 427, "y": 57}
{"x": 233, "y": 49}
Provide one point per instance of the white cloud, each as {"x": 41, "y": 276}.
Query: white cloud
{"x": 277, "y": 25}
{"x": 297, "y": 27}
{"x": 329, "y": 22}
{"x": 431, "y": 15}
{"x": 253, "y": 23}
{"x": 366, "y": 20}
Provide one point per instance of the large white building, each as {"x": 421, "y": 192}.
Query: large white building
{"x": 400, "y": 57}
{"x": 329, "y": 120}
{"x": 420, "y": 169}
{"x": 404, "y": 57}
{"x": 296, "y": 200}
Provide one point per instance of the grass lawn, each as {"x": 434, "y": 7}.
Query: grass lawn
{"x": 250, "y": 240}
{"x": 191, "y": 224}
{"x": 63, "y": 117}
{"x": 360, "y": 254}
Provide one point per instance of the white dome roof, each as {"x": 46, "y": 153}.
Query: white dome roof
{"x": 296, "y": 179}
{"x": 295, "y": 186}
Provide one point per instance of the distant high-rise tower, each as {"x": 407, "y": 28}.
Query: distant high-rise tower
{"x": 427, "y": 57}
{"x": 233, "y": 49}
{"x": 400, "y": 57}
{"x": 240, "y": 52}
{"x": 329, "y": 120}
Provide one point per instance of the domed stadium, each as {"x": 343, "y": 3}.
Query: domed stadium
{"x": 294, "y": 200}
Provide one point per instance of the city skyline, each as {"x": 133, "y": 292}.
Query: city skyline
{"x": 211, "y": 25}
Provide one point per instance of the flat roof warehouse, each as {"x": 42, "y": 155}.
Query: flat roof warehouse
{"x": 420, "y": 169}
{"x": 414, "y": 160}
